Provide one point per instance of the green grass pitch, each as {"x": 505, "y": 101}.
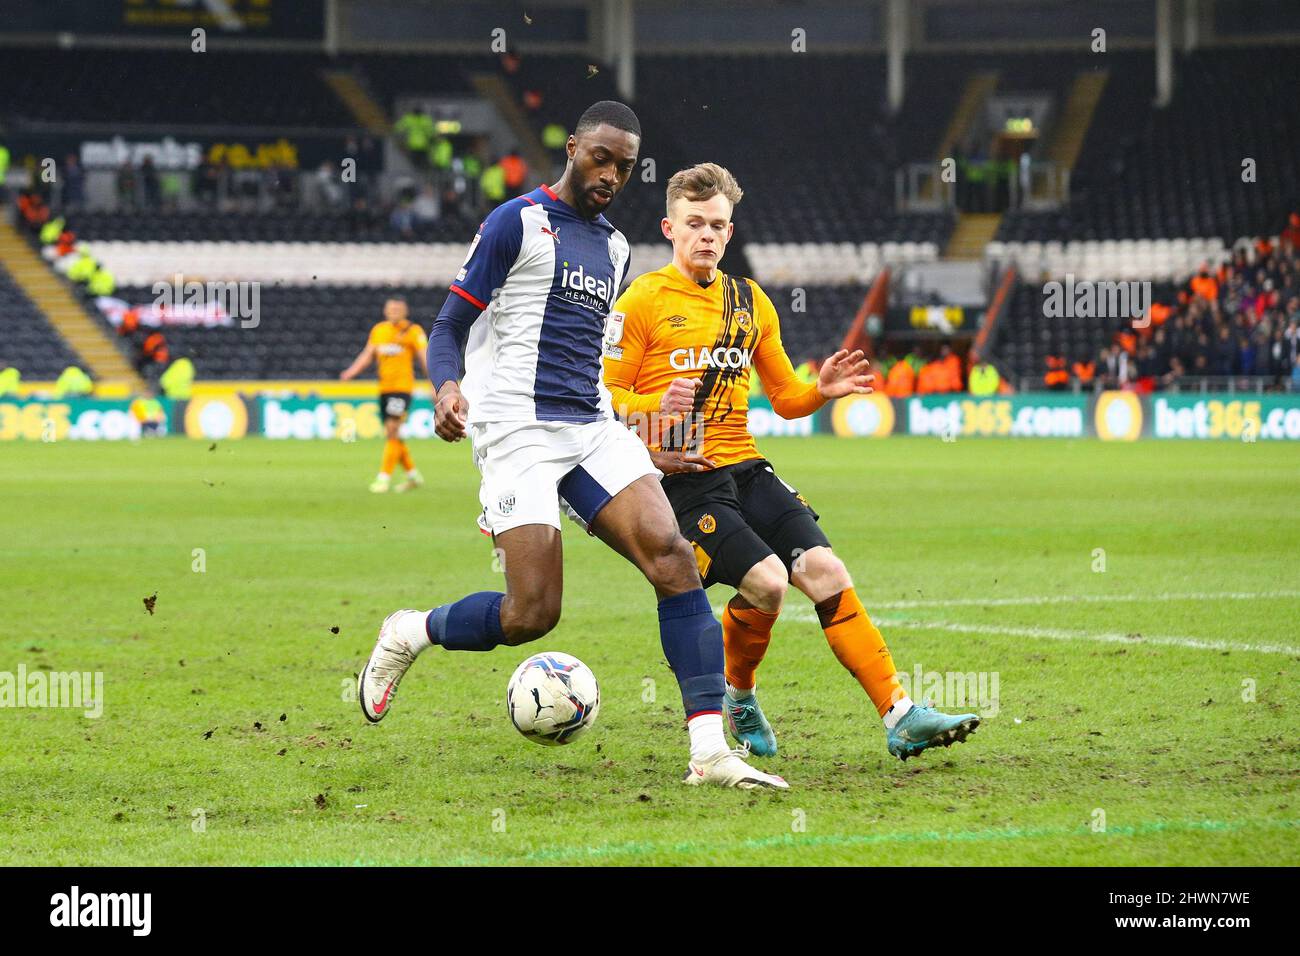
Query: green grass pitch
{"x": 230, "y": 733}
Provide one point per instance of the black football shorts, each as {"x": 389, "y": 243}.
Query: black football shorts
{"x": 394, "y": 404}
{"x": 737, "y": 515}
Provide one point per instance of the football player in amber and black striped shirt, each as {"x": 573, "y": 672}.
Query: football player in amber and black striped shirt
{"x": 679, "y": 347}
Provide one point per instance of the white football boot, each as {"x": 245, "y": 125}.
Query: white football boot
{"x": 728, "y": 769}
{"x": 388, "y": 663}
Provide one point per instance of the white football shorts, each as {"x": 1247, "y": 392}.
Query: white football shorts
{"x": 534, "y": 470}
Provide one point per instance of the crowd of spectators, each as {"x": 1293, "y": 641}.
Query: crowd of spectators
{"x": 1238, "y": 320}
{"x": 453, "y": 177}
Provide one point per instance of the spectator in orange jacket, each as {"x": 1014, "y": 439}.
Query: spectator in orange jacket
{"x": 1291, "y": 233}
{"x": 931, "y": 378}
{"x": 952, "y": 377}
{"x": 1160, "y": 313}
{"x": 153, "y": 351}
{"x": 130, "y": 322}
{"x": 1056, "y": 377}
{"x": 901, "y": 382}
{"x": 33, "y": 210}
{"x": 516, "y": 172}
{"x": 1204, "y": 284}
{"x": 1084, "y": 373}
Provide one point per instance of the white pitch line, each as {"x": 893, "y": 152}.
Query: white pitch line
{"x": 1058, "y": 634}
{"x": 804, "y": 614}
{"x": 1083, "y": 599}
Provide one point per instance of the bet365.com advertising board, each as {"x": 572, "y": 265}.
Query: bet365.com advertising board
{"x": 71, "y": 419}
{"x": 1110, "y": 416}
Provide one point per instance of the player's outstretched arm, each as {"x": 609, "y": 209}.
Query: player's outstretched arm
{"x": 359, "y": 364}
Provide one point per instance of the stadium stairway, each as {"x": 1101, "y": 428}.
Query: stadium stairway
{"x": 363, "y": 107}
{"x": 974, "y": 231}
{"x": 496, "y": 91}
{"x": 94, "y": 348}
{"x": 979, "y": 87}
{"x": 1076, "y": 118}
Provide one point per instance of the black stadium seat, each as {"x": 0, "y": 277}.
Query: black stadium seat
{"x": 314, "y": 332}
{"x": 1177, "y": 172}
{"x": 29, "y": 343}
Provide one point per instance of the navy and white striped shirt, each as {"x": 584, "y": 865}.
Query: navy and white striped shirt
{"x": 544, "y": 281}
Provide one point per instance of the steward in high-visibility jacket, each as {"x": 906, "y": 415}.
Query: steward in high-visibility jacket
{"x": 71, "y": 382}
{"x": 177, "y": 381}
{"x": 984, "y": 380}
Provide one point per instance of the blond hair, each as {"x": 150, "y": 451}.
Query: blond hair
{"x": 703, "y": 182}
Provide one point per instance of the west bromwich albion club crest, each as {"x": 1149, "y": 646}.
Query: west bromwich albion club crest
{"x": 506, "y": 503}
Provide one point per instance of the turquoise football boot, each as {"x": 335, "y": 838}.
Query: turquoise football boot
{"x": 923, "y": 727}
{"x": 748, "y": 725}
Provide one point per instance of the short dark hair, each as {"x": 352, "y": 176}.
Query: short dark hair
{"x": 612, "y": 112}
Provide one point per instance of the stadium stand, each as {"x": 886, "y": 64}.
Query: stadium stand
{"x": 826, "y": 228}
{"x": 389, "y": 76}
{"x": 695, "y": 109}
{"x": 29, "y": 343}
{"x": 278, "y": 226}
{"x": 169, "y": 87}
{"x": 819, "y": 328}
{"x": 314, "y": 331}
{"x": 1149, "y": 173}
{"x": 1235, "y": 323}
{"x": 305, "y": 263}
{"x": 1156, "y": 259}
{"x": 302, "y": 333}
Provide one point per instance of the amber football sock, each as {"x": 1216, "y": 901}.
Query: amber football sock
{"x": 745, "y": 634}
{"x": 391, "y": 455}
{"x": 408, "y": 465}
{"x": 860, "y": 647}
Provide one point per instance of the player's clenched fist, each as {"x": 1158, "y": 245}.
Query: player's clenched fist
{"x": 450, "y": 413}
{"x": 680, "y": 396}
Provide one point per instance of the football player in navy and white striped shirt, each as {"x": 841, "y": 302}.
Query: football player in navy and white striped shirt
{"x": 529, "y": 310}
